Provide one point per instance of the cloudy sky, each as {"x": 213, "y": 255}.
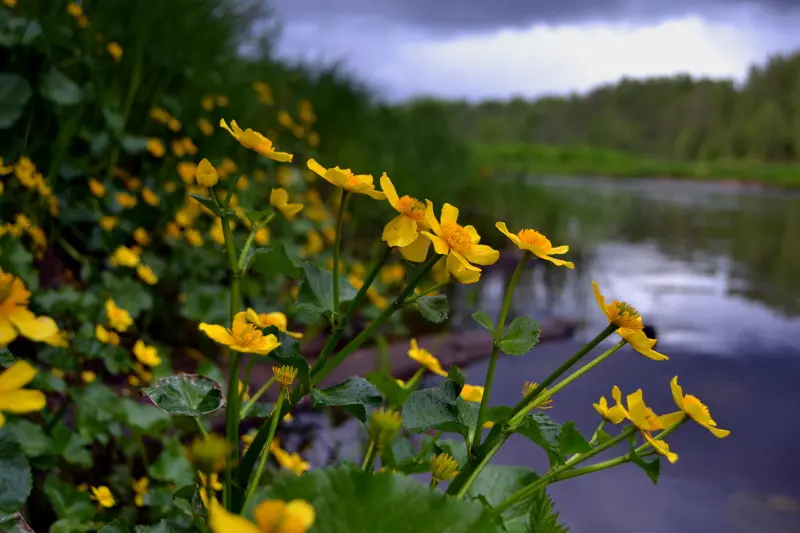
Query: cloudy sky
{"x": 498, "y": 48}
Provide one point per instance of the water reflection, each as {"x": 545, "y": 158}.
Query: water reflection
{"x": 711, "y": 266}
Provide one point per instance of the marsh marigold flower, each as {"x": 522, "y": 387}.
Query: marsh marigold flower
{"x": 277, "y": 319}
{"x": 126, "y": 200}
{"x": 621, "y": 314}
{"x": 141, "y": 236}
{"x": 242, "y": 336}
{"x": 147, "y": 355}
{"x": 209, "y": 453}
{"x": 614, "y": 414}
{"x": 15, "y": 318}
{"x": 205, "y": 126}
{"x": 537, "y": 244}
{"x": 193, "y": 237}
{"x": 443, "y": 467}
{"x": 697, "y": 410}
{"x": 87, "y": 376}
{"x": 285, "y": 375}
{"x": 403, "y": 231}
{"x": 345, "y": 179}
{"x": 140, "y": 488}
{"x": 641, "y": 343}
{"x": 124, "y": 256}
{"x": 102, "y": 495}
{"x": 527, "y": 389}
{"x": 279, "y": 198}
{"x": 118, "y": 317}
{"x": 262, "y": 236}
{"x": 105, "y": 336}
{"x": 108, "y": 223}
{"x": 289, "y": 460}
{"x": 149, "y": 196}
{"x": 255, "y": 141}
{"x": 271, "y": 516}
{"x": 472, "y": 393}
{"x": 97, "y": 188}
{"x": 15, "y": 399}
{"x": 206, "y": 174}
{"x": 155, "y": 147}
{"x": 146, "y": 274}
{"x": 114, "y": 50}
{"x": 459, "y": 243}
{"x": 646, "y": 421}
{"x": 425, "y": 358}
{"x": 383, "y": 426}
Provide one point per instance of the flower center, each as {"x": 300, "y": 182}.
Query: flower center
{"x": 412, "y": 208}
{"x": 456, "y": 237}
{"x": 534, "y": 238}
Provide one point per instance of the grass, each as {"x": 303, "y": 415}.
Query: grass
{"x": 586, "y": 160}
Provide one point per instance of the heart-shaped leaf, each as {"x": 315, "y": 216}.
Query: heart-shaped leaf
{"x": 521, "y": 336}
{"x": 15, "y": 473}
{"x": 357, "y": 395}
{"x": 186, "y": 395}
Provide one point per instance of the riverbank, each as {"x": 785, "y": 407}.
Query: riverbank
{"x": 586, "y": 160}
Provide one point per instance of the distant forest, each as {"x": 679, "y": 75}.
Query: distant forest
{"x": 671, "y": 117}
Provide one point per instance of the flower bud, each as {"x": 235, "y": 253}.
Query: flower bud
{"x": 443, "y": 467}
{"x": 285, "y": 375}
{"x": 383, "y": 426}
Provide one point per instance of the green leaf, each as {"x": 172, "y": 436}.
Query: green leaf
{"x": 483, "y": 318}
{"x": 14, "y": 523}
{"x": 133, "y": 145}
{"x": 496, "y": 483}
{"x": 186, "y": 395}
{"x": 652, "y": 467}
{"x": 127, "y": 293}
{"x": 394, "y": 393}
{"x": 116, "y": 526}
{"x": 457, "y": 449}
{"x": 433, "y": 308}
{"x": 347, "y": 499}
{"x": 162, "y": 527}
{"x": 209, "y": 203}
{"x": 522, "y": 335}
{"x": 545, "y": 433}
{"x": 15, "y": 473}
{"x": 67, "y": 501}
{"x": 59, "y": 89}
{"x": 36, "y": 440}
{"x": 274, "y": 260}
{"x": 172, "y": 466}
{"x": 256, "y": 215}
{"x": 543, "y": 518}
{"x": 456, "y": 375}
{"x": 145, "y": 419}
{"x": 601, "y": 436}
{"x": 571, "y": 441}
{"x": 204, "y": 303}
{"x": 114, "y": 119}
{"x": 357, "y": 395}
{"x": 440, "y": 408}
{"x": 98, "y": 409}
{"x": 316, "y": 291}
{"x": 15, "y": 92}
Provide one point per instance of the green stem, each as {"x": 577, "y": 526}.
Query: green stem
{"x": 434, "y": 483}
{"x": 411, "y": 383}
{"x": 256, "y": 396}
{"x": 369, "y": 458}
{"x": 597, "y": 431}
{"x": 337, "y": 243}
{"x": 276, "y": 416}
{"x": 354, "y": 344}
{"x": 527, "y": 491}
{"x": 246, "y": 381}
{"x": 242, "y": 264}
{"x": 498, "y": 334}
{"x": 427, "y": 291}
{"x": 201, "y": 426}
{"x": 338, "y": 330}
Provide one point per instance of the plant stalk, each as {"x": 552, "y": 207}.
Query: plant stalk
{"x": 276, "y": 416}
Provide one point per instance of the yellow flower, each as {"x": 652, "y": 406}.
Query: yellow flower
{"x": 443, "y": 467}
{"x": 315, "y": 244}
{"x": 15, "y": 318}
{"x": 459, "y": 243}
{"x": 97, "y": 188}
{"x": 614, "y": 414}
{"x": 187, "y": 170}
{"x": 108, "y": 223}
{"x": 226, "y": 167}
{"x": 222, "y": 100}
{"x": 285, "y": 375}
{"x": 425, "y": 358}
{"x": 207, "y": 102}
{"x": 212, "y": 481}
{"x": 174, "y": 124}
{"x": 313, "y": 138}
{"x": 147, "y": 355}
{"x": 255, "y": 141}
{"x": 403, "y": 231}
{"x": 160, "y": 115}
{"x": 472, "y": 393}
{"x": 262, "y": 236}
{"x": 242, "y": 183}
{"x": 146, "y": 274}
{"x": 279, "y": 198}
{"x": 103, "y": 496}
{"x": 115, "y": 50}
{"x": 377, "y": 299}
{"x": 140, "y": 489}
{"x": 10, "y": 3}
{"x": 647, "y": 421}
{"x": 74, "y": 10}
{"x": 172, "y": 230}
{"x": 393, "y": 274}
{"x": 536, "y": 243}
{"x": 15, "y": 399}
{"x": 641, "y": 343}
{"x": 194, "y": 238}
{"x": 618, "y": 313}
{"x": 242, "y": 337}
{"x": 527, "y": 389}
{"x": 209, "y": 454}
{"x": 141, "y": 236}
{"x": 697, "y": 410}
{"x": 118, "y": 317}
{"x": 289, "y": 461}
{"x": 383, "y": 426}
{"x": 124, "y": 256}
{"x": 87, "y": 376}
{"x": 105, "y": 336}
{"x": 265, "y": 320}
{"x": 271, "y": 516}
{"x": 155, "y": 147}
{"x": 345, "y": 179}
{"x": 206, "y": 174}
{"x": 149, "y": 196}
{"x": 206, "y": 128}
{"x": 58, "y": 339}
{"x": 126, "y": 200}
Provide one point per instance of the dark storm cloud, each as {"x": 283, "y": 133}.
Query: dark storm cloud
{"x": 485, "y": 15}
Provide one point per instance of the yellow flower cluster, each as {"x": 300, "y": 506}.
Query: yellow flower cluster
{"x": 29, "y": 177}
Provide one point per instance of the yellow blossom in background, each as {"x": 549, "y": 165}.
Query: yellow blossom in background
{"x": 384, "y": 423}
{"x": 527, "y": 389}
{"x": 227, "y": 166}
{"x": 242, "y": 336}
{"x": 97, "y": 188}
{"x": 377, "y": 299}
{"x": 646, "y": 421}
{"x": 103, "y": 496}
{"x": 169, "y": 186}
{"x": 155, "y": 147}
{"x": 126, "y": 200}
{"x": 222, "y": 100}
{"x": 172, "y": 230}
{"x": 306, "y": 111}
{"x": 187, "y": 170}
{"x": 345, "y": 179}
{"x": 290, "y": 461}
{"x": 443, "y": 467}
{"x": 392, "y": 274}
{"x": 147, "y": 355}
{"x": 141, "y": 236}
{"x": 330, "y": 234}
{"x": 279, "y": 198}
{"x": 206, "y": 174}
{"x": 614, "y": 414}
{"x": 15, "y": 318}
{"x": 242, "y": 183}
{"x": 15, "y": 399}
{"x": 87, "y": 376}
{"x": 216, "y": 232}
{"x": 697, "y": 410}
{"x": 160, "y": 115}
{"x": 314, "y": 244}
{"x": 641, "y": 343}
{"x": 105, "y": 336}
{"x": 133, "y": 184}
{"x": 255, "y": 141}
{"x": 313, "y": 139}
{"x": 403, "y": 231}
{"x": 618, "y": 313}
{"x": 140, "y": 488}
{"x": 265, "y": 320}
{"x": 177, "y": 147}
{"x": 472, "y": 393}
{"x": 206, "y": 128}
{"x": 262, "y": 236}
{"x": 263, "y": 92}
{"x": 536, "y": 243}
{"x": 124, "y": 256}
{"x": 118, "y": 318}
{"x": 271, "y": 516}
{"x": 114, "y": 50}
{"x": 10, "y": 3}
{"x": 459, "y": 243}
{"x": 247, "y": 439}
{"x": 174, "y": 124}
{"x": 74, "y": 9}
{"x": 425, "y": 358}
{"x": 150, "y": 197}
{"x": 207, "y": 102}
{"x": 193, "y": 237}
{"x": 58, "y": 339}
{"x": 284, "y": 176}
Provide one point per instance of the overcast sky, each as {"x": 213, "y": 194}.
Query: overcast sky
{"x": 479, "y": 49}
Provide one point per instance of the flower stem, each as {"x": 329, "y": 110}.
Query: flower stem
{"x": 428, "y": 291}
{"x": 501, "y": 324}
{"x": 242, "y": 264}
{"x": 276, "y": 416}
{"x": 201, "y": 426}
{"x": 411, "y": 383}
{"x": 336, "y": 247}
{"x": 434, "y": 483}
{"x": 249, "y": 405}
{"x": 369, "y": 458}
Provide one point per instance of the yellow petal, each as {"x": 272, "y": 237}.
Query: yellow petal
{"x": 671, "y": 418}
{"x": 31, "y": 326}
{"x": 677, "y": 393}
{"x": 449, "y": 214}
{"x": 316, "y": 168}
{"x": 557, "y": 262}
{"x": 22, "y": 401}
{"x": 2, "y": 420}
{"x": 558, "y": 250}
{"x": 463, "y": 260}
{"x": 335, "y": 177}
{"x": 391, "y": 193}
{"x": 7, "y": 332}
{"x": 481, "y": 254}
{"x": 281, "y": 157}
{"x": 717, "y": 432}
{"x": 400, "y": 231}
{"x": 221, "y": 521}
{"x": 16, "y": 376}
{"x": 504, "y": 230}
{"x": 430, "y": 218}
{"x": 217, "y": 333}
{"x": 417, "y": 251}
{"x": 601, "y": 301}
{"x": 375, "y": 195}
{"x": 268, "y": 514}
{"x": 279, "y": 197}
{"x": 473, "y": 234}
{"x": 457, "y": 270}
{"x": 299, "y": 516}
{"x": 439, "y": 246}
